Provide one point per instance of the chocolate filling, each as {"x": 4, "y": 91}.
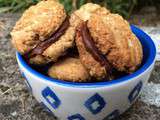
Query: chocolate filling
{"x": 91, "y": 48}
{"x": 42, "y": 46}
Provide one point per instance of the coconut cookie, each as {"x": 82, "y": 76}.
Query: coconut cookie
{"x": 85, "y": 11}
{"x": 127, "y": 54}
{"x": 69, "y": 69}
{"x": 43, "y": 33}
{"x": 105, "y": 42}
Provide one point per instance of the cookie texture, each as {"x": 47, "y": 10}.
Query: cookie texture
{"x": 102, "y": 37}
{"x": 114, "y": 39}
{"x": 85, "y": 12}
{"x": 105, "y": 42}
{"x": 54, "y": 51}
{"x": 36, "y": 24}
{"x": 69, "y": 69}
{"x": 127, "y": 54}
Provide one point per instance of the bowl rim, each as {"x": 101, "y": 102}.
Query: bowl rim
{"x": 141, "y": 70}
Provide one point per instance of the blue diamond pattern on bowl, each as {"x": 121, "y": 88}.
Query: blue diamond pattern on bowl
{"x": 76, "y": 117}
{"x": 112, "y": 115}
{"x": 135, "y": 92}
{"x": 51, "y": 97}
{"x": 95, "y": 104}
{"x": 45, "y": 107}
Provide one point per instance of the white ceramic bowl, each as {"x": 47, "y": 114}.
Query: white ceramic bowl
{"x": 91, "y": 101}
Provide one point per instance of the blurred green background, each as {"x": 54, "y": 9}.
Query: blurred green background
{"x": 123, "y": 7}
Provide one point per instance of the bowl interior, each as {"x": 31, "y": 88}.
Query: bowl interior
{"x": 149, "y": 53}
{"x": 146, "y": 45}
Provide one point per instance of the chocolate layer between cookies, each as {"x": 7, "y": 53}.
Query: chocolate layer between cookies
{"x": 92, "y": 49}
{"x": 109, "y": 46}
{"x": 44, "y": 32}
{"x": 43, "y": 45}
{"x": 106, "y": 46}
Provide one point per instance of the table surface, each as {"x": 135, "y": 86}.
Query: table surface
{"x": 17, "y": 104}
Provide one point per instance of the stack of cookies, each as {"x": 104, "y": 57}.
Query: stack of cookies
{"x": 90, "y": 45}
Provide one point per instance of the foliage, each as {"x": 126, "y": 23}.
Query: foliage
{"x": 15, "y": 5}
{"x": 123, "y": 7}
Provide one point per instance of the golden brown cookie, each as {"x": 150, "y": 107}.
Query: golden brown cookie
{"x": 109, "y": 43}
{"x": 54, "y": 51}
{"x": 44, "y": 32}
{"x": 102, "y": 42}
{"x": 69, "y": 69}
{"x": 127, "y": 54}
{"x": 36, "y": 24}
{"x": 85, "y": 11}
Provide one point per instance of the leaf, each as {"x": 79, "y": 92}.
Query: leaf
{"x": 124, "y": 13}
{"x": 135, "y": 2}
{"x": 5, "y": 9}
{"x": 61, "y": 1}
{"x": 35, "y": 1}
{"x": 19, "y": 6}
{"x": 97, "y": 1}
{"x": 80, "y": 3}
{"x": 68, "y": 5}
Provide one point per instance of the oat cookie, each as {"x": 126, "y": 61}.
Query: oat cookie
{"x": 110, "y": 45}
{"x": 44, "y": 32}
{"x": 69, "y": 69}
